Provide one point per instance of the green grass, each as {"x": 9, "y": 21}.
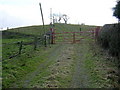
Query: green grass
{"x": 15, "y": 69}
{"x": 97, "y": 66}
{"x": 5, "y": 41}
{"x": 31, "y": 30}
{"x": 10, "y": 50}
{"x": 90, "y": 65}
{"x": 72, "y": 28}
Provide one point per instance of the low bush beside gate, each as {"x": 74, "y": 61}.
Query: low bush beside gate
{"x": 109, "y": 38}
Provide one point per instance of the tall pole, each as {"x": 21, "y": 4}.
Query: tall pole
{"x": 43, "y": 25}
{"x": 51, "y": 15}
{"x": 42, "y": 16}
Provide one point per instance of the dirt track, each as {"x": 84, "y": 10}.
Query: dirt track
{"x": 64, "y": 68}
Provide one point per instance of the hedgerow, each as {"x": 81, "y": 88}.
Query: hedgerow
{"x": 109, "y": 38}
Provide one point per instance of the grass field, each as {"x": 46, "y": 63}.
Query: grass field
{"x": 55, "y": 66}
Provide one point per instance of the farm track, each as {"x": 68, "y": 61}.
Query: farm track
{"x": 66, "y": 61}
{"x": 64, "y": 53}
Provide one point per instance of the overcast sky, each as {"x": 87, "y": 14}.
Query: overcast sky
{"x": 17, "y": 13}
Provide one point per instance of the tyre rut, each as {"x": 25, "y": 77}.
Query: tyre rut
{"x": 80, "y": 77}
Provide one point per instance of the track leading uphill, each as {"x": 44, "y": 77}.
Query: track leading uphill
{"x": 82, "y": 64}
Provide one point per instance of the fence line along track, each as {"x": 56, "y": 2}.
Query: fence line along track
{"x": 20, "y": 46}
{"x": 50, "y": 38}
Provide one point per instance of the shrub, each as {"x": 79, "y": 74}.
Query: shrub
{"x": 109, "y": 38}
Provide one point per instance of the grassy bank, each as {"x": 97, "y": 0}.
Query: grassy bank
{"x": 101, "y": 67}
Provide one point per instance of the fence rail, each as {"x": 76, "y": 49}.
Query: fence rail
{"x": 14, "y": 49}
{"x": 76, "y": 32}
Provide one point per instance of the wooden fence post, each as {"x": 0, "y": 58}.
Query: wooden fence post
{"x": 35, "y": 43}
{"x": 80, "y": 30}
{"x": 97, "y": 32}
{"x": 20, "y": 48}
{"x": 42, "y": 39}
{"x": 45, "y": 40}
{"x": 73, "y": 37}
{"x": 52, "y": 38}
{"x": 49, "y": 40}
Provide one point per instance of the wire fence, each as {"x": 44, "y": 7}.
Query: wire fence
{"x": 10, "y": 50}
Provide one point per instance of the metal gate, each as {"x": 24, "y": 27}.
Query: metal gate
{"x": 74, "y": 37}
{"x": 68, "y": 37}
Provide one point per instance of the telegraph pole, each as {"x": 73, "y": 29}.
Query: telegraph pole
{"x": 51, "y": 26}
{"x": 45, "y": 37}
{"x": 42, "y": 17}
{"x": 50, "y": 15}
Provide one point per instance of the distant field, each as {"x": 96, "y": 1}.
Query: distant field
{"x": 30, "y": 30}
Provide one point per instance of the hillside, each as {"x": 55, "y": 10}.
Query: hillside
{"x": 78, "y": 64}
